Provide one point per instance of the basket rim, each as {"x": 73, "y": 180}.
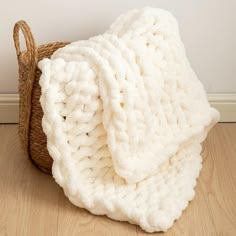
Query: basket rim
{"x": 42, "y": 47}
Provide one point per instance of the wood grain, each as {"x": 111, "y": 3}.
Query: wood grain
{"x": 218, "y": 177}
{"x": 31, "y": 203}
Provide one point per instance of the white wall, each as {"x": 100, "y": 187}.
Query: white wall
{"x": 207, "y": 28}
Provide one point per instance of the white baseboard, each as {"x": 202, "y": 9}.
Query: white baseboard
{"x": 224, "y": 102}
{"x": 9, "y": 108}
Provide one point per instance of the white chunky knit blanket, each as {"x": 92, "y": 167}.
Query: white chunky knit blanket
{"x": 124, "y": 116}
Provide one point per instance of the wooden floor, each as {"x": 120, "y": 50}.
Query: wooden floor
{"x": 31, "y": 203}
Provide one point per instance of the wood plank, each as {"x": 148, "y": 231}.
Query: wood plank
{"x": 195, "y": 220}
{"x": 31, "y": 203}
{"x": 218, "y": 178}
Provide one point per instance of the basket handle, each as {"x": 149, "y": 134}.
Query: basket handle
{"x": 29, "y": 40}
{"x": 30, "y": 60}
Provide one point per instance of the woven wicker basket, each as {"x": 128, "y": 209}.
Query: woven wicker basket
{"x": 32, "y": 137}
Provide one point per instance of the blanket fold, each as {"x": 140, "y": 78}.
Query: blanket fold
{"x": 124, "y": 116}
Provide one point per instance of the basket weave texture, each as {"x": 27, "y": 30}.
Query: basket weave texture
{"x": 32, "y": 137}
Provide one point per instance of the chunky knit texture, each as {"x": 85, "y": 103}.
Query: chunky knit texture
{"x": 124, "y": 116}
